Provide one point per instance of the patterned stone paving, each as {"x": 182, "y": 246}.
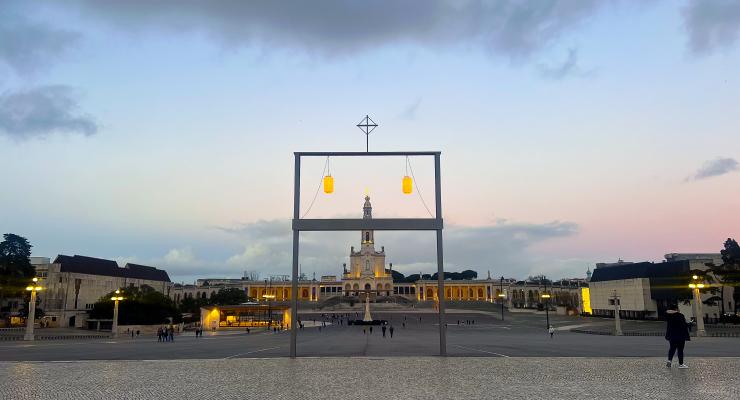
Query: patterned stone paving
{"x": 366, "y": 378}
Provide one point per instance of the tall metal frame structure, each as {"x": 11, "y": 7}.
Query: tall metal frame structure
{"x": 358, "y": 224}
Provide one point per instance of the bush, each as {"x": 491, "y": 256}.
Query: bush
{"x": 141, "y": 306}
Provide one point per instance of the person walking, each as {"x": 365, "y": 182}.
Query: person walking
{"x": 551, "y": 330}
{"x": 383, "y": 329}
{"x": 676, "y": 333}
{"x": 391, "y": 331}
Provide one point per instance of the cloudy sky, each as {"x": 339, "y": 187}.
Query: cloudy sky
{"x": 572, "y": 132}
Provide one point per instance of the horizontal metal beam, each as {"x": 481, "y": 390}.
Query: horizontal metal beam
{"x": 379, "y": 224}
{"x": 365, "y": 154}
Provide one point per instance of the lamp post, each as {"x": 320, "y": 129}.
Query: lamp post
{"x": 33, "y": 288}
{"x": 617, "y": 320}
{"x": 546, "y": 296}
{"x": 269, "y": 296}
{"x": 116, "y": 298}
{"x": 695, "y": 285}
{"x": 501, "y": 296}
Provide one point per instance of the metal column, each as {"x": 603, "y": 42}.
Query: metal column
{"x": 440, "y": 262}
{"x": 296, "y": 239}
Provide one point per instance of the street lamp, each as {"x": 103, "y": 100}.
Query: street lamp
{"x": 696, "y": 285}
{"x": 501, "y": 296}
{"x": 269, "y": 296}
{"x": 546, "y": 296}
{"x": 116, "y": 298}
{"x": 33, "y": 288}
{"x": 617, "y": 320}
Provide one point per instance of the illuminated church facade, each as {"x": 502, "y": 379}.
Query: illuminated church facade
{"x": 367, "y": 273}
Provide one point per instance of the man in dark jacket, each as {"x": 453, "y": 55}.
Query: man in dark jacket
{"x": 676, "y": 333}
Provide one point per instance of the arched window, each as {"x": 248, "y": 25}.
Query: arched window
{"x": 367, "y": 286}
{"x": 305, "y": 291}
{"x": 430, "y": 293}
{"x": 346, "y": 287}
{"x": 480, "y": 292}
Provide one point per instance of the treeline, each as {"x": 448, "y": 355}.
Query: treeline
{"x": 146, "y": 306}
{"x": 454, "y": 276}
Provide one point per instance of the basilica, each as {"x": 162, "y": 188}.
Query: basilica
{"x": 367, "y": 276}
{"x": 367, "y": 273}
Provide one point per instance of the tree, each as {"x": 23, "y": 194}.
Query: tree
{"x": 192, "y": 305}
{"x": 15, "y": 256}
{"x": 16, "y": 270}
{"x": 397, "y": 276}
{"x": 141, "y": 306}
{"x": 457, "y": 276}
{"x": 729, "y": 271}
{"x": 229, "y": 296}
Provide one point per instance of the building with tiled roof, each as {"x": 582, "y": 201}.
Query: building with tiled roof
{"x": 72, "y": 284}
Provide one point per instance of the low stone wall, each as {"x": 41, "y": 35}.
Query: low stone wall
{"x": 634, "y": 333}
{"x": 145, "y": 329}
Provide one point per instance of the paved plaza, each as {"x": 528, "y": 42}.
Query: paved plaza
{"x": 519, "y": 335}
{"x": 490, "y": 358}
{"x": 365, "y": 378}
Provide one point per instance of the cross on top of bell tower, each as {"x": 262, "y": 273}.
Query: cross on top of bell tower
{"x": 367, "y": 209}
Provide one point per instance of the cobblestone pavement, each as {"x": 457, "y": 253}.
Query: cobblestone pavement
{"x": 361, "y": 378}
{"x": 517, "y": 336}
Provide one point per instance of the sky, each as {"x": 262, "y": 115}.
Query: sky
{"x": 571, "y": 132}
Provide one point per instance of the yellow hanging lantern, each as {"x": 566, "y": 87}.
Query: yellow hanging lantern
{"x": 328, "y": 184}
{"x": 407, "y": 184}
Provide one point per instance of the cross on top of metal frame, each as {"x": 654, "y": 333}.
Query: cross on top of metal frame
{"x": 367, "y": 125}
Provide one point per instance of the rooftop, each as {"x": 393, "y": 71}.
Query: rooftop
{"x": 98, "y": 266}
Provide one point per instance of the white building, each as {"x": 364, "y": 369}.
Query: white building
{"x": 72, "y": 284}
{"x": 645, "y": 289}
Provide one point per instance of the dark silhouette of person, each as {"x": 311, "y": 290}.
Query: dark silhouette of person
{"x": 383, "y": 329}
{"x": 677, "y": 334}
{"x": 391, "y": 331}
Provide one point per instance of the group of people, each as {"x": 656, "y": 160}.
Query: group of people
{"x": 383, "y": 328}
{"x": 166, "y": 334}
